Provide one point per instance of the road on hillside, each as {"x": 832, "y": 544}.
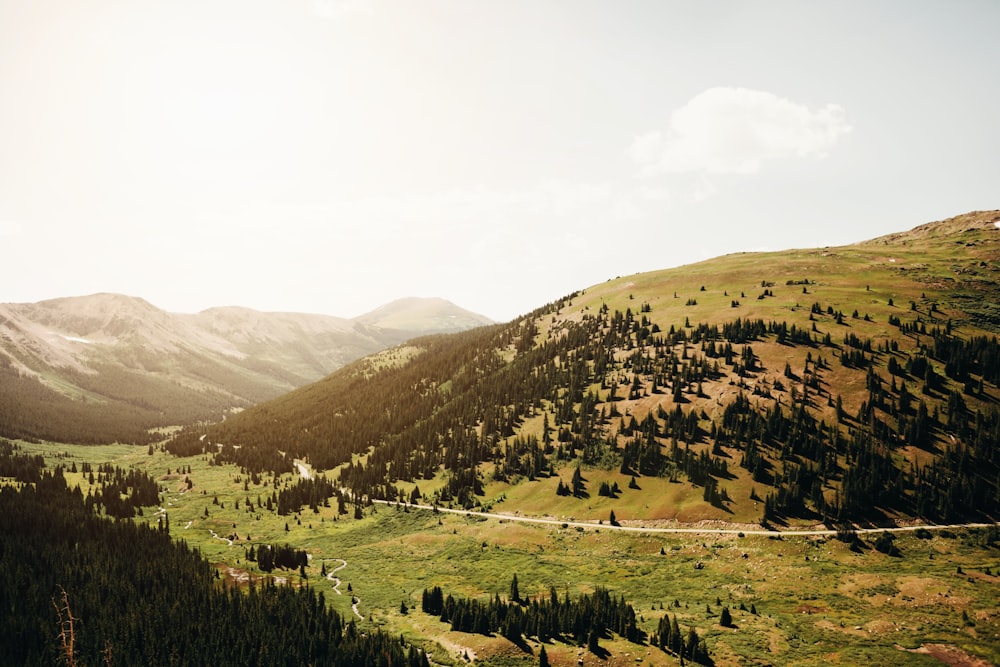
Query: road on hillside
{"x": 692, "y": 529}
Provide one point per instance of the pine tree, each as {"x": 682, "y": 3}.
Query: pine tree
{"x": 578, "y": 486}
{"x": 593, "y": 639}
{"x": 543, "y": 658}
{"x": 691, "y": 645}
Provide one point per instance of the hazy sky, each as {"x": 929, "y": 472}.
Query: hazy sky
{"x": 329, "y": 156}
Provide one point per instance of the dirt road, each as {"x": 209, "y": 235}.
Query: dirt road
{"x": 694, "y": 529}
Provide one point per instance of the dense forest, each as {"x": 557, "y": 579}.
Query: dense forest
{"x": 31, "y": 410}
{"x": 458, "y": 401}
{"x": 85, "y": 589}
{"x": 118, "y": 404}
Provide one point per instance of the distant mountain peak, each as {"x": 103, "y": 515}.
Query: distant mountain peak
{"x": 104, "y": 316}
{"x": 422, "y": 314}
{"x": 139, "y": 366}
{"x": 99, "y": 303}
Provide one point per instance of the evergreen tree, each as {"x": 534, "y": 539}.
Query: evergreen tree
{"x": 593, "y": 639}
{"x": 578, "y": 486}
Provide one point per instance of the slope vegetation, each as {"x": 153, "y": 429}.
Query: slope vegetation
{"x": 853, "y": 383}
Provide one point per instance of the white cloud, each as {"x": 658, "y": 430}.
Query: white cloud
{"x": 734, "y": 130}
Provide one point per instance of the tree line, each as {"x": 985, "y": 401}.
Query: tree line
{"x": 584, "y": 620}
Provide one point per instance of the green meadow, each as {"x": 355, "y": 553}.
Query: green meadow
{"x": 816, "y": 599}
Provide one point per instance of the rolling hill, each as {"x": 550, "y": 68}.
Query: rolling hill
{"x": 854, "y": 383}
{"x": 109, "y": 367}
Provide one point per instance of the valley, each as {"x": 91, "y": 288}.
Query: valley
{"x": 765, "y": 458}
{"x": 817, "y": 597}
{"x": 110, "y": 367}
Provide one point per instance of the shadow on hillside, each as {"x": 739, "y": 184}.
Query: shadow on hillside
{"x": 987, "y": 398}
{"x": 775, "y": 520}
{"x": 601, "y": 652}
{"x": 722, "y": 506}
{"x": 522, "y": 644}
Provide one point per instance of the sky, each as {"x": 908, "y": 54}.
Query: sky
{"x": 330, "y": 156}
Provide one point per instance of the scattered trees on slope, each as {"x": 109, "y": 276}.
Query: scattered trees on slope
{"x": 461, "y": 400}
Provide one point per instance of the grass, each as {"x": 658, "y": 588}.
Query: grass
{"x": 817, "y": 601}
{"x": 878, "y": 279}
{"x": 808, "y": 593}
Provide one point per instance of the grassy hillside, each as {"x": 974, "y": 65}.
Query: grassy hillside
{"x": 853, "y": 383}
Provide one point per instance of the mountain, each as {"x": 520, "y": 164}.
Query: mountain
{"x": 844, "y": 383}
{"x": 109, "y": 367}
{"x": 421, "y": 316}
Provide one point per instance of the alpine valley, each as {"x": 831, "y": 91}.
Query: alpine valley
{"x": 765, "y": 458}
{"x": 108, "y": 367}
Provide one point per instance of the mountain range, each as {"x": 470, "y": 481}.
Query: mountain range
{"x": 673, "y": 435}
{"x": 108, "y": 367}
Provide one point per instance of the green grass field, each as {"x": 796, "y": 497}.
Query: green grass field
{"x": 817, "y": 601}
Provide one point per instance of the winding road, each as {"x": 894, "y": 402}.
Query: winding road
{"x": 215, "y": 535}
{"x": 702, "y": 530}
{"x": 331, "y": 576}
